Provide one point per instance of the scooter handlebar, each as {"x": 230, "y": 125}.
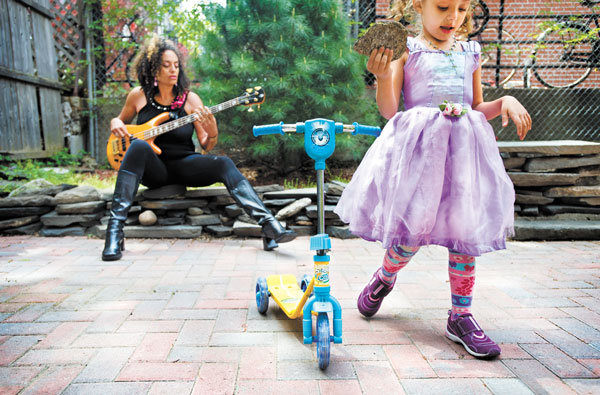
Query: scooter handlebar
{"x": 268, "y": 129}
{"x": 282, "y": 128}
{"x": 364, "y": 129}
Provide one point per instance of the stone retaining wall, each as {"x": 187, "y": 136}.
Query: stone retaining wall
{"x": 557, "y": 188}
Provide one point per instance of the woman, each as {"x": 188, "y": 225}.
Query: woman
{"x": 164, "y": 87}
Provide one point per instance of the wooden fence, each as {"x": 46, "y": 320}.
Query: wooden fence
{"x": 30, "y": 104}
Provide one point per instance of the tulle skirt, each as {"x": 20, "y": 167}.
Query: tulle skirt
{"x": 432, "y": 179}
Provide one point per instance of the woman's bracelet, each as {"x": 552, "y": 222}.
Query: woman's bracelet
{"x": 213, "y": 137}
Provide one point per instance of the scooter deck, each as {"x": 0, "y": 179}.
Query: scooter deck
{"x": 287, "y": 294}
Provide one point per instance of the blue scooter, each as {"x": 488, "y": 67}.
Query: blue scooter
{"x": 319, "y": 143}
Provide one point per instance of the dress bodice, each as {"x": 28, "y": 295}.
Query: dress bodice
{"x": 432, "y": 76}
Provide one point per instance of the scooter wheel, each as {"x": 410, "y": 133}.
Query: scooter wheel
{"x": 305, "y": 282}
{"x": 323, "y": 340}
{"x": 262, "y": 295}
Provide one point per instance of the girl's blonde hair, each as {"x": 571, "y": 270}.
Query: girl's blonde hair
{"x": 403, "y": 11}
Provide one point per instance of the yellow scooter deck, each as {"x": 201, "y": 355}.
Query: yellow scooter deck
{"x": 287, "y": 294}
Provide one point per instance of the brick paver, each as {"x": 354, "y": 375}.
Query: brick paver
{"x": 179, "y": 317}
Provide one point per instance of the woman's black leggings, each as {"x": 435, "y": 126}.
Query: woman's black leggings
{"x": 193, "y": 170}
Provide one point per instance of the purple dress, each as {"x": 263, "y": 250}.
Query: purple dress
{"x": 429, "y": 178}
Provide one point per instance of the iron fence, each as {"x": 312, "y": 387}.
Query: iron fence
{"x": 544, "y": 52}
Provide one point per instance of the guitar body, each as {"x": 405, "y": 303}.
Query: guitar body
{"x": 117, "y": 147}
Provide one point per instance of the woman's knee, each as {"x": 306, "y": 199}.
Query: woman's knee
{"x": 136, "y": 157}
{"x": 228, "y": 170}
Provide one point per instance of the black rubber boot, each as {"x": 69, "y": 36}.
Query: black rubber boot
{"x": 272, "y": 231}
{"x": 125, "y": 191}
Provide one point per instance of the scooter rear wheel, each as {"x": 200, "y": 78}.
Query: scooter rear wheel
{"x": 262, "y": 295}
{"x": 323, "y": 340}
{"x": 305, "y": 282}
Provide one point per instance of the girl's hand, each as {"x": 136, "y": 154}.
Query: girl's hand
{"x": 379, "y": 62}
{"x": 511, "y": 108}
{"x": 117, "y": 127}
{"x": 209, "y": 125}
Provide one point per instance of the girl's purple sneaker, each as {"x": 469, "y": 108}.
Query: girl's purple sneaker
{"x": 465, "y": 330}
{"x": 369, "y": 300}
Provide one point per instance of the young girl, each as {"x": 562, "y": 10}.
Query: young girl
{"x": 435, "y": 175}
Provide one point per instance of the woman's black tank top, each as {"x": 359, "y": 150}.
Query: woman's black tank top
{"x": 174, "y": 144}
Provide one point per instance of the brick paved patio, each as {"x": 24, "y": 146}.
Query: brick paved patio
{"x": 179, "y": 317}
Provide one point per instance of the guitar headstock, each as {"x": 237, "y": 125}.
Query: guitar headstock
{"x": 252, "y": 96}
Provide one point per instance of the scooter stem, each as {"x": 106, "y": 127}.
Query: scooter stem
{"x": 320, "y": 202}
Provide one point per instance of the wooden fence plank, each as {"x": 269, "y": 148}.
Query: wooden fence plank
{"x": 51, "y": 120}
{"x": 6, "y": 51}
{"x": 29, "y": 120}
{"x": 43, "y": 47}
{"x": 20, "y": 26}
{"x": 11, "y": 140}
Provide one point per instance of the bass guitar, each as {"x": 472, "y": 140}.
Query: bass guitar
{"x": 117, "y": 146}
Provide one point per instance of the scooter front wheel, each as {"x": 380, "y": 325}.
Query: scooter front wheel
{"x": 262, "y": 295}
{"x": 323, "y": 340}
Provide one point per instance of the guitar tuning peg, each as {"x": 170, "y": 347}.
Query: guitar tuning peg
{"x": 249, "y": 90}
{"x": 258, "y": 88}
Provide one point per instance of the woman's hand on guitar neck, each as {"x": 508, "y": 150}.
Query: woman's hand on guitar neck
{"x": 117, "y": 127}
{"x": 208, "y": 124}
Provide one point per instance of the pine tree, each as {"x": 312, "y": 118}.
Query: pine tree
{"x": 300, "y": 52}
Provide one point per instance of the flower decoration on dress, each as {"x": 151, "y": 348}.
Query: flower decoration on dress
{"x": 178, "y": 102}
{"x": 450, "y": 109}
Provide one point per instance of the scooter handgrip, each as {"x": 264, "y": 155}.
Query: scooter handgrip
{"x": 364, "y": 129}
{"x": 268, "y": 129}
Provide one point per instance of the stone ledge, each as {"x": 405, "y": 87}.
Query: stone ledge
{"x": 551, "y": 147}
{"x": 153, "y": 232}
{"x": 556, "y": 230}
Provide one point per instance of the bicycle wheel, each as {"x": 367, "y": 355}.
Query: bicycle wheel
{"x": 510, "y": 55}
{"x": 480, "y": 18}
{"x": 558, "y": 59}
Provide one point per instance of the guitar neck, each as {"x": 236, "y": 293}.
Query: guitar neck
{"x": 167, "y": 127}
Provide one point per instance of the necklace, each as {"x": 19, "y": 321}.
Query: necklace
{"x": 158, "y": 106}
{"x": 438, "y": 48}
{"x": 448, "y": 53}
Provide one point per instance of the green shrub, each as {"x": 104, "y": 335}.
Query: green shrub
{"x": 299, "y": 52}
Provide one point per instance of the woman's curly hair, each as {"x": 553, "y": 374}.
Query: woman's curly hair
{"x": 403, "y": 11}
{"x": 148, "y": 61}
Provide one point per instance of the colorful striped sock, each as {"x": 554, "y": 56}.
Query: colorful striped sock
{"x": 395, "y": 259}
{"x": 461, "y": 270}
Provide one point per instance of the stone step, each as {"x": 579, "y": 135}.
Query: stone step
{"x": 153, "y": 232}
{"x": 556, "y": 230}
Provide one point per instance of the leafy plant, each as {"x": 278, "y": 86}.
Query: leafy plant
{"x": 64, "y": 158}
{"x": 55, "y": 170}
